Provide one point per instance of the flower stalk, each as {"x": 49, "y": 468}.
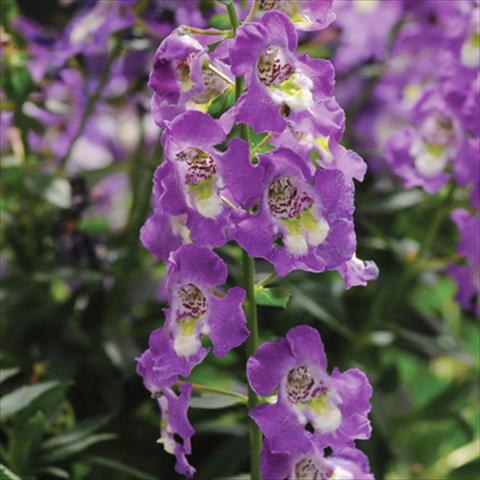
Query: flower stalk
{"x": 248, "y": 277}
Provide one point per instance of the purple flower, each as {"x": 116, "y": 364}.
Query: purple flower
{"x": 89, "y": 31}
{"x": 350, "y": 464}
{"x": 420, "y": 153}
{"x": 198, "y": 308}
{"x": 365, "y": 26}
{"x": 174, "y": 422}
{"x": 277, "y": 80}
{"x": 63, "y": 105}
{"x": 39, "y": 44}
{"x": 358, "y": 272}
{"x": 320, "y": 143}
{"x": 335, "y": 406}
{"x": 303, "y": 221}
{"x": 182, "y": 78}
{"x": 306, "y": 15}
{"x": 199, "y": 181}
{"x": 467, "y": 276}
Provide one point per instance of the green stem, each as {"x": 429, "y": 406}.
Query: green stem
{"x": 253, "y": 11}
{"x": 213, "y": 33}
{"x": 232, "y": 15}
{"x": 222, "y": 391}
{"x": 248, "y": 267}
{"x": 248, "y": 264}
{"x": 94, "y": 97}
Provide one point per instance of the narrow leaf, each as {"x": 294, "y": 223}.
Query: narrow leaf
{"x": 272, "y": 297}
{"x": 22, "y": 397}
{"x": 77, "y": 447}
{"x": 6, "y": 373}
{"x": 213, "y": 402}
{"x": 82, "y": 430}
{"x": 131, "y": 472}
{"x": 26, "y": 440}
{"x": 6, "y": 474}
{"x": 56, "y": 472}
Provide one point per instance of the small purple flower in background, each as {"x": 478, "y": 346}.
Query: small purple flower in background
{"x": 303, "y": 221}
{"x": 467, "y": 276}
{"x": 306, "y": 15}
{"x": 365, "y": 27}
{"x": 349, "y": 464}
{"x": 420, "y": 154}
{"x": 173, "y": 410}
{"x": 60, "y": 109}
{"x": 200, "y": 182}
{"x": 335, "y": 406}
{"x": 183, "y": 76}
{"x": 277, "y": 80}
{"x": 197, "y": 308}
{"x": 90, "y": 30}
{"x": 357, "y": 272}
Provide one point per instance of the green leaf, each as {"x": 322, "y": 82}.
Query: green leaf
{"x": 221, "y": 104}
{"x": 272, "y": 297}
{"x": 21, "y": 398}
{"x": 214, "y": 401}
{"x": 71, "y": 449}
{"x": 396, "y": 202}
{"x": 56, "y": 472}
{"x": 131, "y": 472}
{"x": 26, "y": 441}
{"x": 6, "y": 474}
{"x": 82, "y": 430}
{"x": 6, "y": 373}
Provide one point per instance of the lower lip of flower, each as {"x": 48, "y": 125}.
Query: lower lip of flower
{"x": 200, "y": 180}
{"x": 294, "y": 211}
{"x": 189, "y": 317}
{"x": 307, "y": 469}
{"x": 312, "y": 399}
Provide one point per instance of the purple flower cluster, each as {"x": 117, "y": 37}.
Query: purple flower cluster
{"x": 292, "y": 206}
{"x": 287, "y": 197}
{"x": 312, "y": 409}
{"x": 423, "y": 118}
{"x": 425, "y": 109}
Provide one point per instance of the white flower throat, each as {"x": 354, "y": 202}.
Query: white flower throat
{"x": 293, "y": 208}
{"x": 199, "y": 172}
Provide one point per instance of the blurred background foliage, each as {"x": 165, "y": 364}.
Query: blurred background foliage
{"x": 80, "y": 295}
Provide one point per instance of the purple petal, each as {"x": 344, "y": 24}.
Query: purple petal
{"x": 167, "y": 362}
{"x": 281, "y": 427}
{"x": 227, "y": 322}
{"x": 181, "y": 133}
{"x": 243, "y": 180}
{"x": 197, "y": 265}
{"x": 357, "y": 272}
{"x": 306, "y": 345}
{"x": 274, "y": 466}
{"x": 271, "y": 362}
{"x": 157, "y": 236}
